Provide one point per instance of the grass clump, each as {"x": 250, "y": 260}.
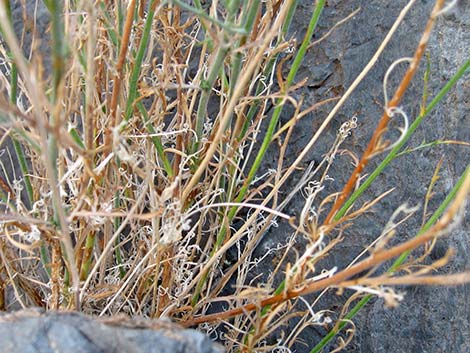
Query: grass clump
{"x": 141, "y": 148}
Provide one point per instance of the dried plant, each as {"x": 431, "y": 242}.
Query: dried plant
{"x": 140, "y": 166}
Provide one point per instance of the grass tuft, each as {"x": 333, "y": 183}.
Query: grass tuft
{"x": 143, "y": 153}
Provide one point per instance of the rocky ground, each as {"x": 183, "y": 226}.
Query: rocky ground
{"x": 35, "y": 331}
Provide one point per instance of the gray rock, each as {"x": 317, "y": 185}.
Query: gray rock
{"x": 61, "y": 332}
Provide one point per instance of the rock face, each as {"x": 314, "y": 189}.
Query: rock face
{"x": 430, "y": 319}
{"x": 32, "y": 331}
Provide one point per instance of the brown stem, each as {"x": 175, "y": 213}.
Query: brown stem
{"x": 118, "y": 75}
{"x": 374, "y": 141}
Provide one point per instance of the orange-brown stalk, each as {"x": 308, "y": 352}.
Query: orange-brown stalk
{"x": 375, "y": 139}
{"x": 118, "y": 76}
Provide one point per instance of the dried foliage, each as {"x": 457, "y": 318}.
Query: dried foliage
{"x": 140, "y": 154}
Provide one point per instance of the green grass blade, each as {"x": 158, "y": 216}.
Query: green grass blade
{"x": 156, "y": 141}
{"x": 230, "y": 28}
{"x": 280, "y": 104}
{"x": 206, "y": 89}
{"x": 138, "y": 61}
{"x": 77, "y": 138}
{"x": 109, "y": 29}
{"x": 267, "y": 72}
{"x": 13, "y": 99}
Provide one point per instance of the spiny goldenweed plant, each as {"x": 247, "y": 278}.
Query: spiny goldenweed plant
{"x": 140, "y": 149}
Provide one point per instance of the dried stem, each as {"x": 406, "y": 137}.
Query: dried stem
{"x": 118, "y": 75}
{"x": 375, "y": 139}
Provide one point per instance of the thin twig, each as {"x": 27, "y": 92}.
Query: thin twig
{"x": 118, "y": 76}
